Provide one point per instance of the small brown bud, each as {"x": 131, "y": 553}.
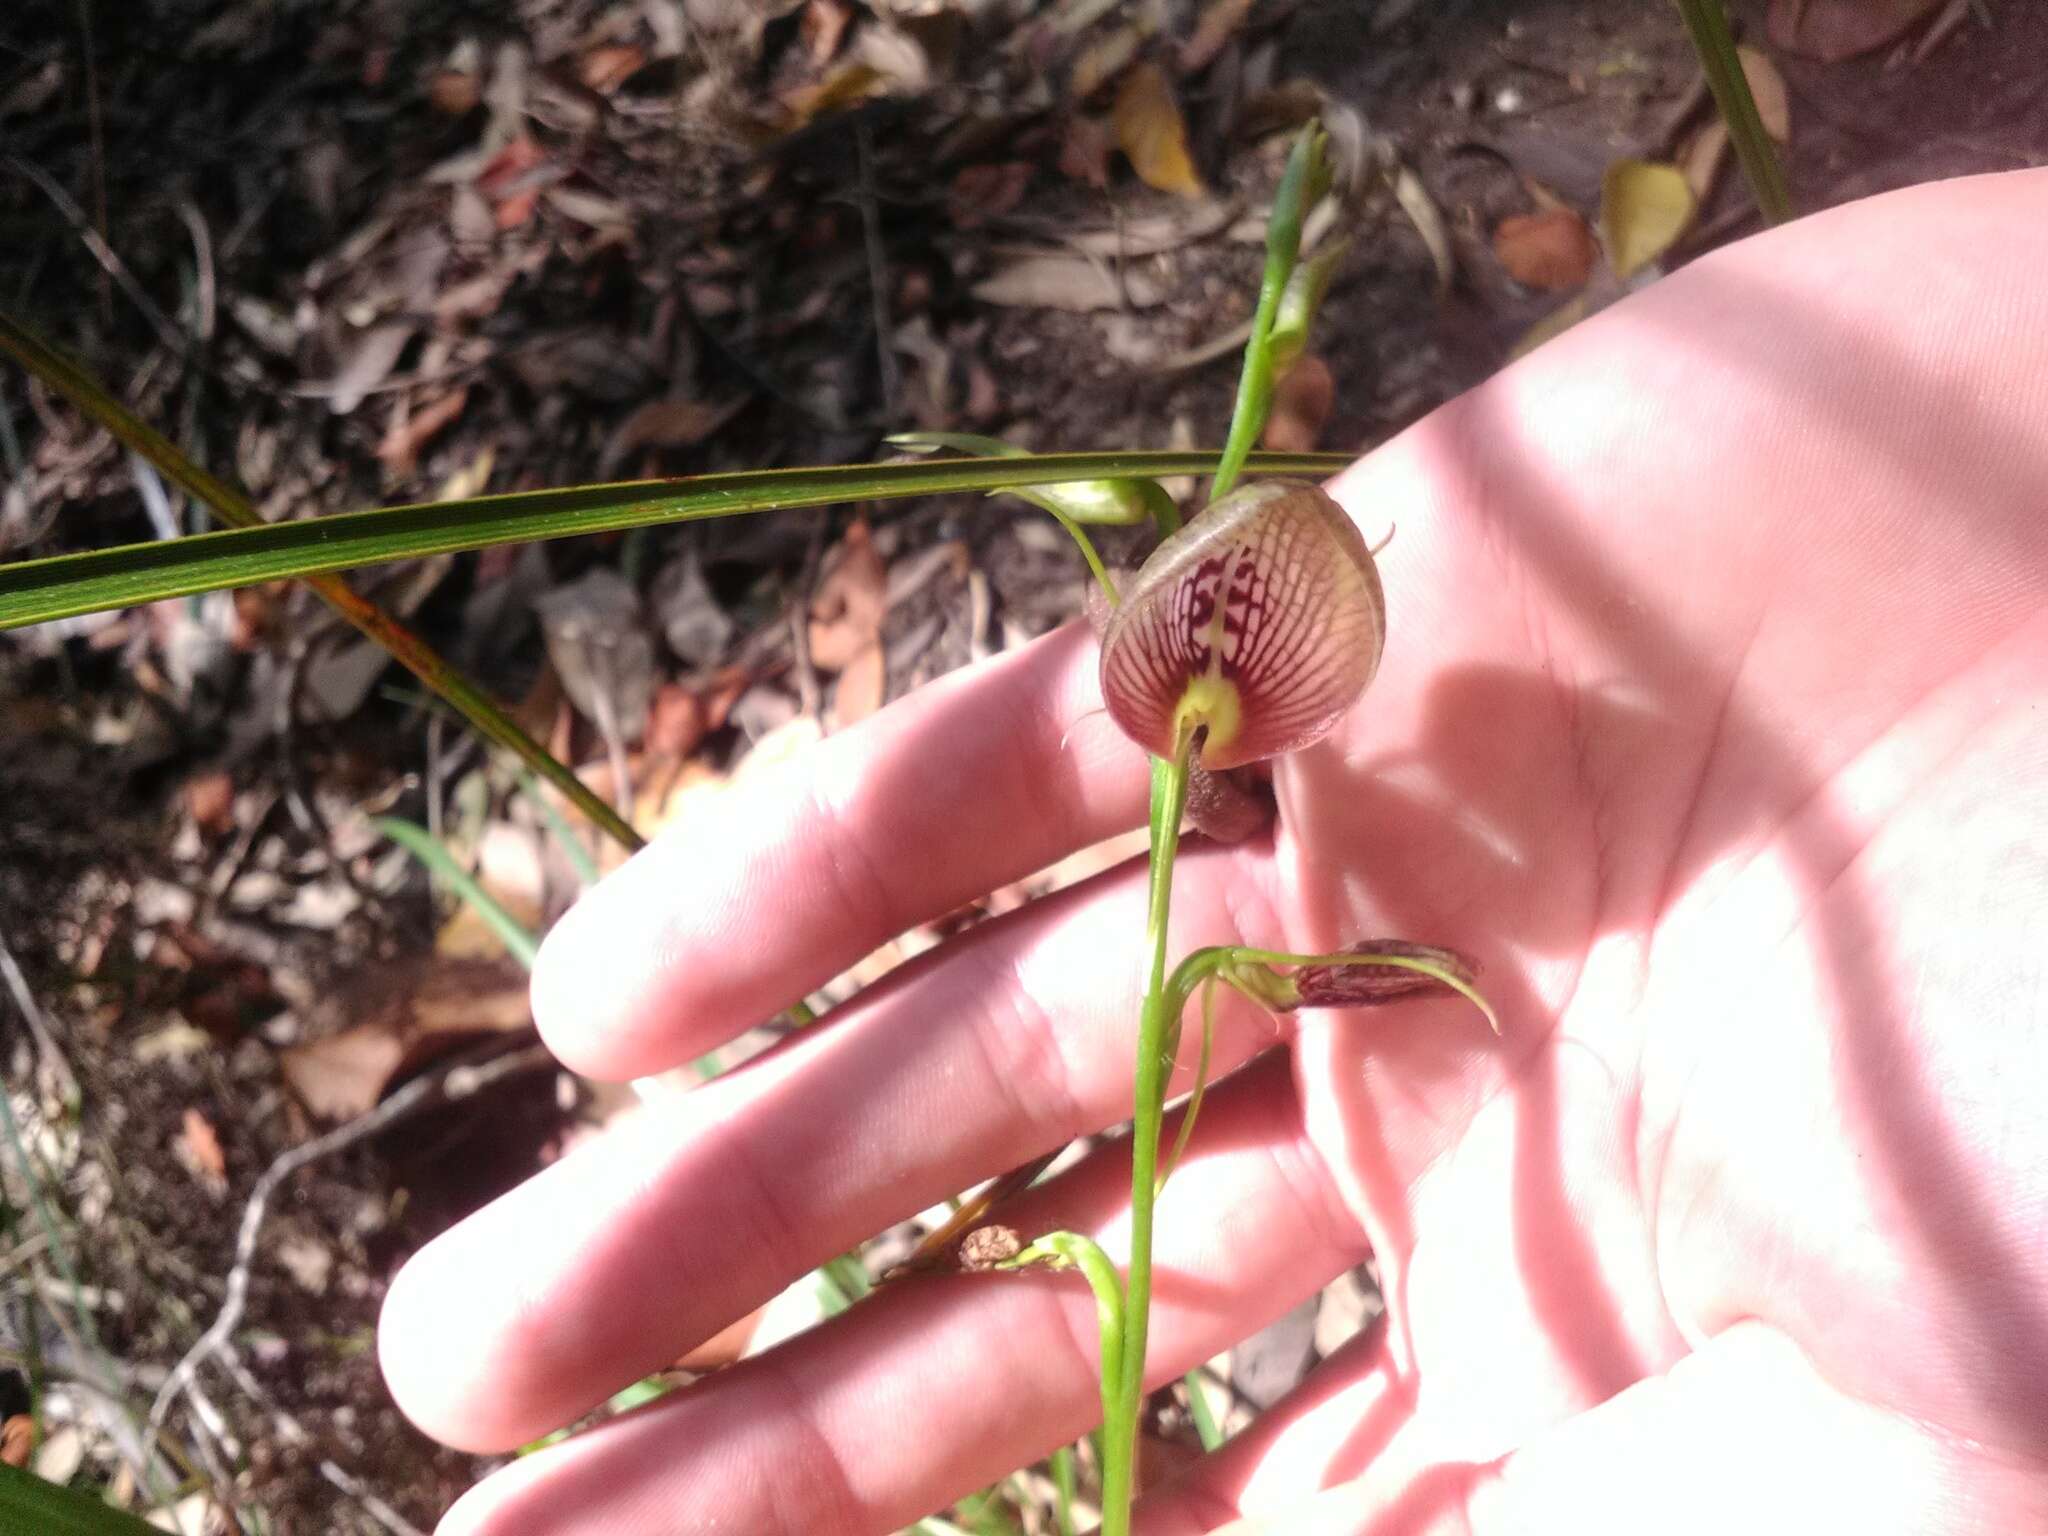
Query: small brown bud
{"x": 1361, "y": 984}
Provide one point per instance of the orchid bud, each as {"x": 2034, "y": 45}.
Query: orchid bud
{"x": 1359, "y": 983}
{"x": 1254, "y": 628}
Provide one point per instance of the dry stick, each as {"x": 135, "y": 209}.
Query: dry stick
{"x": 458, "y": 1082}
{"x": 54, "y": 1064}
{"x": 104, "y": 254}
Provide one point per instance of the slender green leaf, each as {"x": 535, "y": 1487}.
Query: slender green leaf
{"x": 230, "y": 506}
{"x": 27, "y": 1503}
{"x": 420, "y": 843}
{"x": 1708, "y": 24}
{"x": 35, "y": 591}
{"x": 1199, "y": 1410}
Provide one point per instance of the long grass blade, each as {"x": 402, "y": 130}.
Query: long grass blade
{"x": 421, "y": 844}
{"x": 36, "y": 591}
{"x": 1708, "y": 24}
{"x": 230, "y": 506}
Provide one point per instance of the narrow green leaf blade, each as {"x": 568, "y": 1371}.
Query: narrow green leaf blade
{"x": 36, "y": 591}
{"x": 28, "y": 1503}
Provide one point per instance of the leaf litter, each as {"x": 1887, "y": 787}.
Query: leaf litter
{"x": 615, "y": 241}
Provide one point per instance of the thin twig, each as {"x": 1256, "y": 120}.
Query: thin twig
{"x": 878, "y": 267}
{"x": 104, "y": 254}
{"x": 458, "y": 1082}
{"x": 55, "y": 1068}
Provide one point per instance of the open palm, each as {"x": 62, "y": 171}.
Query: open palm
{"x": 1712, "y": 721}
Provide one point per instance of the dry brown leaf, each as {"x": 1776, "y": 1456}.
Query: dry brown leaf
{"x": 1552, "y": 250}
{"x": 1301, "y": 406}
{"x": 210, "y": 800}
{"x": 445, "y": 1003}
{"x": 846, "y": 613}
{"x": 198, "y": 1148}
{"x": 454, "y": 92}
{"x": 665, "y": 424}
{"x": 1084, "y": 150}
{"x": 1833, "y": 30}
{"x": 410, "y": 431}
{"x": 1217, "y": 24}
{"x": 983, "y": 192}
{"x": 604, "y": 70}
{"x": 1767, "y": 86}
{"x": 1644, "y": 207}
{"x": 17, "y": 1440}
{"x": 505, "y": 170}
{"x": 1152, "y": 134}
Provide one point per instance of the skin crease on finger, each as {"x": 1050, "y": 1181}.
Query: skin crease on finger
{"x": 1756, "y": 770}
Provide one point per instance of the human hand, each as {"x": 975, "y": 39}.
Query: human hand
{"x": 1711, "y": 721}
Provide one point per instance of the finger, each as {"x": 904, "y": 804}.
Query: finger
{"x": 793, "y": 874}
{"x": 940, "y": 1386}
{"x": 1743, "y": 1435}
{"x": 1007, "y": 1043}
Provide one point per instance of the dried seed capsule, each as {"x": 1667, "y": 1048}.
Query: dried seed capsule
{"x": 1258, "y": 625}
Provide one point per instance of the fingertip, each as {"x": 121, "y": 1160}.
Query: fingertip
{"x": 427, "y": 1349}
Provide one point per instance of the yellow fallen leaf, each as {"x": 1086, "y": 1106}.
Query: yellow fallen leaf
{"x": 1644, "y": 207}
{"x": 1152, "y": 134}
{"x": 1767, "y": 86}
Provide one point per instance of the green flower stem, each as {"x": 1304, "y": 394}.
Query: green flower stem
{"x": 1085, "y": 1254}
{"x": 1708, "y": 24}
{"x": 1283, "y": 246}
{"x": 1170, "y": 793}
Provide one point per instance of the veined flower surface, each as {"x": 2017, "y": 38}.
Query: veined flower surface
{"x": 1258, "y": 624}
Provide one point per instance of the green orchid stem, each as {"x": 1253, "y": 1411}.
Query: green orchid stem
{"x": 1283, "y": 247}
{"x": 1170, "y": 794}
{"x": 1080, "y": 536}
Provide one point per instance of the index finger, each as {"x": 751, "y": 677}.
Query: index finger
{"x": 972, "y": 782}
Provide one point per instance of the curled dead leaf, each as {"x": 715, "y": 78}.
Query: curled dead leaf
{"x": 17, "y": 1440}
{"x": 1428, "y": 220}
{"x": 1552, "y": 250}
{"x": 1301, "y": 406}
{"x": 1152, "y": 134}
{"x": 1833, "y": 30}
